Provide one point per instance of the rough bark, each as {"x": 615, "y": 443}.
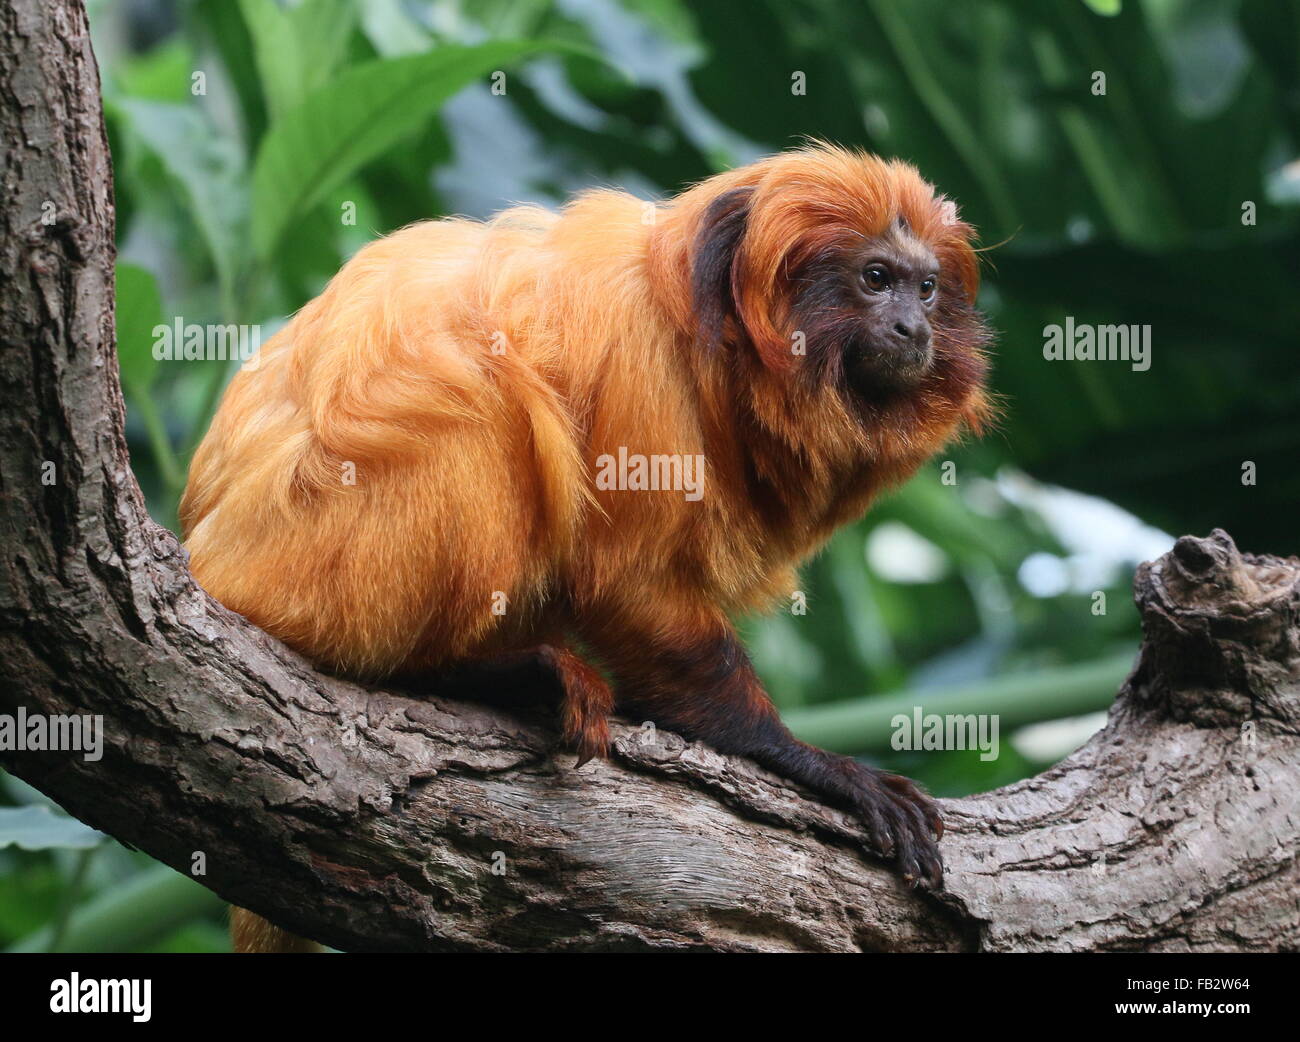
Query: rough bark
{"x": 387, "y": 820}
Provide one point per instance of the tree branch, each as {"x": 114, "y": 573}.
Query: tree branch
{"x": 378, "y": 819}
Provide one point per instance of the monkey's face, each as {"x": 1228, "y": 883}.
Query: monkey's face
{"x": 892, "y": 285}
{"x": 845, "y": 275}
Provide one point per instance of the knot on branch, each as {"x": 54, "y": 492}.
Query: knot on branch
{"x": 1222, "y": 634}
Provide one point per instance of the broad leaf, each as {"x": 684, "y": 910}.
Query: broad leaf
{"x": 208, "y": 172}
{"x": 222, "y": 27}
{"x": 356, "y": 118}
{"x": 297, "y": 49}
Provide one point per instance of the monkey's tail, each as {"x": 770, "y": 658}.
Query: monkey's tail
{"x": 252, "y": 933}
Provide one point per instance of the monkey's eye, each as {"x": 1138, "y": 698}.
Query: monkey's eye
{"x": 876, "y": 278}
{"x": 928, "y": 287}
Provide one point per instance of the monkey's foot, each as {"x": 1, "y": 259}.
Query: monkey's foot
{"x": 589, "y": 739}
{"x": 585, "y": 705}
{"x": 903, "y": 822}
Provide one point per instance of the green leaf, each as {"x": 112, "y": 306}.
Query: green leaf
{"x": 673, "y": 18}
{"x": 296, "y": 49}
{"x": 39, "y": 828}
{"x": 391, "y": 30}
{"x": 322, "y": 29}
{"x": 30, "y": 895}
{"x": 919, "y": 64}
{"x": 139, "y": 310}
{"x": 363, "y": 113}
{"x": 1109, "y": 8}
{"x": 220, "y": 25}
{"x": 209, "y": 173}
{"x": 139, "y": 912}
{"x": 275, "y": 53}
{"x": 161, "y": 75}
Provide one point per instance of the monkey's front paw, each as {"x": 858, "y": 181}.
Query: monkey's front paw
{"x": 904, "y": 824}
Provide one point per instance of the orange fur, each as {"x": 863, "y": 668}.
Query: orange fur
{"x": 252, "y": 935}
{"x": 474, "y": 469}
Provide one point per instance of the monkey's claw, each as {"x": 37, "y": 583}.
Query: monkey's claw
{"x": 590, "y": 743}
{"x": 903, "y": 823}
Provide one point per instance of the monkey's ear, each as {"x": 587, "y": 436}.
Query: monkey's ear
{"x": 714, "y": 285}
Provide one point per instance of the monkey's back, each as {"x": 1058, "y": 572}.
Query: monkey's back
{"x": 406, "y": 476}
{"x": 391, "y": 469}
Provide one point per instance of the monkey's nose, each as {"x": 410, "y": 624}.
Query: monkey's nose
{"x": 909, "y": 349}
{"x": 912, "y": 335}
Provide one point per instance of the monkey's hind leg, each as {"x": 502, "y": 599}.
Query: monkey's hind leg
{"x": 585, "y": 703}
{"x": 529, "y": 676}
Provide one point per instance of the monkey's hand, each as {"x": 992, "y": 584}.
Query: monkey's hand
{"x": 903, "y": 822}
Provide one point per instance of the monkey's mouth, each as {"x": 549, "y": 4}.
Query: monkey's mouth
{"x": 874, "y": 372}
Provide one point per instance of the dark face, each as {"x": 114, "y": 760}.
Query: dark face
{"x": 897, "y": 286}
{"x": 864, "y": 311}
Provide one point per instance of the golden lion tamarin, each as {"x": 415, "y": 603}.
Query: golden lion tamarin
{"x": 419, "y": 447}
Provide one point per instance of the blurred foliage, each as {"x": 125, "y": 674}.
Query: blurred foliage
{"x": 243, "y": 129}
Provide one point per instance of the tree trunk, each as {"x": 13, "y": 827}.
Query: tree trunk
{"x": 385, "y": 820}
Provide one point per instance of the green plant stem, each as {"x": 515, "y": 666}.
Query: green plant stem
{"x": 237, "y": 299}
{"x": 69, "y": 899}
{"x": 207, "y": 408}
{"x": 164, "y": 455}
{"x": 863, "y": 724}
